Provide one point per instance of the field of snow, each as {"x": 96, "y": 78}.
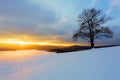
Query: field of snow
{"x": 94, "y": 64}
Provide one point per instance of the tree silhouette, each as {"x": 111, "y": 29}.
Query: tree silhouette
{"x": 90, "y": 22}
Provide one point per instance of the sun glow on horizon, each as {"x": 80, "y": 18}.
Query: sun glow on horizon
{"x": 21, "y": 42}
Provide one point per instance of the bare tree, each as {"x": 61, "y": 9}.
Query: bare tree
{"x": 90, "y": 22}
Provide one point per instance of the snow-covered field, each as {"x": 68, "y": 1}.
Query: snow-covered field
{"x": 94, "y": 64}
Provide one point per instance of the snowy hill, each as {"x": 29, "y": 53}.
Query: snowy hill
{"x": 94, "y": 64}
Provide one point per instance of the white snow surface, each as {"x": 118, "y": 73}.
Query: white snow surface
{"x": 94, "y": 64}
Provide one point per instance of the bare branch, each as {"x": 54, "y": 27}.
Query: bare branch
{"x": 90, "y": 21}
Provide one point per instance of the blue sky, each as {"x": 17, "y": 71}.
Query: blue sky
{"x": 49, "y": 20}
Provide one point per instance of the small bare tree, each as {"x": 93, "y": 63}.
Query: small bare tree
{"x": 90, "y": 21}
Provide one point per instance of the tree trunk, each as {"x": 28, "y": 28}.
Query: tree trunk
{"x": 92, "y": 42}
{"x": 91, "y": 37}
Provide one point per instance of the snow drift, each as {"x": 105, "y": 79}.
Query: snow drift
{"x": 94, "y": 64}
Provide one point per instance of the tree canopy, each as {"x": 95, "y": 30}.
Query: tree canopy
{"x": 90, "y": 22}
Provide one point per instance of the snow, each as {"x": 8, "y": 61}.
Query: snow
{"x": 94, "y": 64}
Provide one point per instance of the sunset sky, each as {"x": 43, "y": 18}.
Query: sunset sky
{"x": 49, "y": 20}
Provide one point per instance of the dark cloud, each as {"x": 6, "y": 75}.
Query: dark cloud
{"x": 21, "y": 16}
{"x": 24, "y": 9}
